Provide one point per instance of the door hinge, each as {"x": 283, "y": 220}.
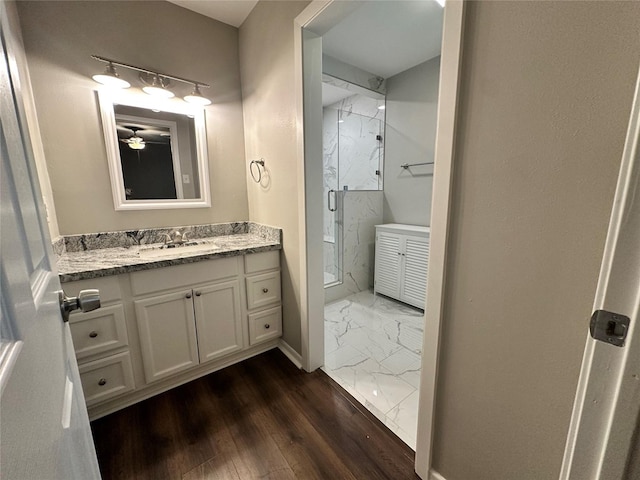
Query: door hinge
{"x": 609, "y": 327}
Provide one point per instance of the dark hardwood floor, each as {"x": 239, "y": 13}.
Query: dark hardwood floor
{"x": 262, "y": 418}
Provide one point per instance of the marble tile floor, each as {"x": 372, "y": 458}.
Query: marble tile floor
{"x": 372, "y": 349}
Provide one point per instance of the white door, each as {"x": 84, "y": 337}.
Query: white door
{"x": 607, "y": 407}
{"x": 45, "y": 428}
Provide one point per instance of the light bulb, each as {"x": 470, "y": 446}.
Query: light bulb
{"x": 110, "y": 78}
{"x": 157, "y": 89}
{"x": 196, "y": 97}
{"x": 136, "y": 143}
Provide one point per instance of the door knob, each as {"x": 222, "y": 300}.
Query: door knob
{"x": 87, "y": 300}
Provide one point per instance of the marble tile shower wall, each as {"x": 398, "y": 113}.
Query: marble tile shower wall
{"x": 355, "y": 151}
{"x": 361, "y": 211}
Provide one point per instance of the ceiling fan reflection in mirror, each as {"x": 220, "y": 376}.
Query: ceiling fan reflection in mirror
{"x": 137, "y": 137}
{"x": 135, "y": 142}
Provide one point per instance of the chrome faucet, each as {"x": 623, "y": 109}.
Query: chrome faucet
{"x": 175, "y": 238}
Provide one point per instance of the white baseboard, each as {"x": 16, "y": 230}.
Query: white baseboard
{"x": 291, "y": 354}
{"x": 433, "y": 475}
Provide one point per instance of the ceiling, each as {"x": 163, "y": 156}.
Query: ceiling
{"x": 387, "y": 37}
{"x": 384, "y": 37}
{"x": 232, "y": 12}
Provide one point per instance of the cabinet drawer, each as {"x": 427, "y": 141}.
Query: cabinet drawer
{"x": 150, "y": 281}
{"x": 263, "y": 290}
{"x": 265, "y": 325}
{"x": 106, "y": 378}
{"x": 257, "y": 262}
{"x": 99, "y": 331}
{"x": 109, "y": 287}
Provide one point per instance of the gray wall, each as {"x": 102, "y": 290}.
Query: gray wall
{"x": 269, "y": 102}
{"x": 59, "y": 38}
{"x": 411, "y": 113}
{"x": 544, "y": 105}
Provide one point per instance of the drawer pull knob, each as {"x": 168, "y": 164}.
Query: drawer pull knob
{"x": 188, "y": 295}
{"x": 198, "y": 294}
{"x": 266, "y": 325}
{"x": 102, "y": 381}
{"x": 93, "y": 334}
{"x": 265, "y": 290}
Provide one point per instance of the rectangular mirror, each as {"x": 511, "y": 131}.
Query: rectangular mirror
{"x": 156, "y": 150}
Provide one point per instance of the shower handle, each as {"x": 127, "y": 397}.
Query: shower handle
{"x": 335, "y": 206}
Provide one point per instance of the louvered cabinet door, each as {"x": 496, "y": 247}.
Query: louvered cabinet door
{"x": 388, "y": 263}
{"x": 416, "y": 263}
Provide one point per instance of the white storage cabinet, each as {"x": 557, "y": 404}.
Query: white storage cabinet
{"x": 402, "y": 262}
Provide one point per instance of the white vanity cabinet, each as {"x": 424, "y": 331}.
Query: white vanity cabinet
{"x": 162, "y": 327}
{"x": 402, "y": 262}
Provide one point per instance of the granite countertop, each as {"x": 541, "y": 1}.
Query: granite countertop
{"x": 84, "y": 259}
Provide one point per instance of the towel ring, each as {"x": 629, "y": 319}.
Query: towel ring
{"x": 258, "y": 164}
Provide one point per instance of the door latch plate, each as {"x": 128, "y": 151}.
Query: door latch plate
{"x": 609, "y": 327}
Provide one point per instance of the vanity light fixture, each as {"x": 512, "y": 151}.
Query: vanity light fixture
{"x": 111, "y": 78}
{"x": 196, "y": 97}
{"x": 155, "y": 83}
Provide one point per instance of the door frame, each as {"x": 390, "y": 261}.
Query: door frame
{"x": 608, "y": 399}
{"x": 309, "y": 150}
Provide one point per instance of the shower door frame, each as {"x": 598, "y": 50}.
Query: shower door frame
{"x": 308, "y": 79}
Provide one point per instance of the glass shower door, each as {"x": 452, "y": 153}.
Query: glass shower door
{"x": 332, "y": 230}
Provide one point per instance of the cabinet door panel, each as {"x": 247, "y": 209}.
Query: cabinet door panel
{"x": 218, "y": 319}
{"x": 387, "y": 273}
{"x": 167, "y": 334}
{"x": 416, "y": 262}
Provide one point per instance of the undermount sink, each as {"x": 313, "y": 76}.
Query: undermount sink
{"x": 170, "y": 250}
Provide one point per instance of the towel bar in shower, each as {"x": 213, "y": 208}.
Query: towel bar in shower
{"x": 407, "y": 165}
